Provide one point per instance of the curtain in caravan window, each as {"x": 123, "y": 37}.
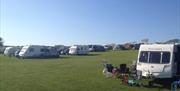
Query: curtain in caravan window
{"x": 143, "y": 57}
{"x": 155, "y": 57}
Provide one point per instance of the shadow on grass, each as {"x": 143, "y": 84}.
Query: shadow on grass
{"x": 90, "y": 55}
{"x": 64, "y": 57}
{"x": 161, "y": 84}
{"x": 60, "y": 57}
{"x": 158, "y": 86}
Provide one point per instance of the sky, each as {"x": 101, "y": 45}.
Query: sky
{"x": 68, "y": 22}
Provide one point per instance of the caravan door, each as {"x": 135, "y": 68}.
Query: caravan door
{"x": 177, "y": 60}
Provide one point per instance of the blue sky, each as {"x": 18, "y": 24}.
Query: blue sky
{"x": 68, "y": 22}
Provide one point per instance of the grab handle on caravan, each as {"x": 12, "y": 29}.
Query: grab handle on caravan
{"x": 174, "y": 85}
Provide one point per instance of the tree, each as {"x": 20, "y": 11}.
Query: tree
{"x": 145, "y": 41}
{"x": 173, "y": 41}
{"x": 1, "y": 41}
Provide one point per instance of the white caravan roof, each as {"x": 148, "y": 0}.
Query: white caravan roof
{"x": 157, "y": 47}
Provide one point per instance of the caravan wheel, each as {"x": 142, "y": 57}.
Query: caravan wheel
{"x": 151, "y": 83}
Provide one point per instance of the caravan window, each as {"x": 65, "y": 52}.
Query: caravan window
{"x": 143, "y": 57}
{"x": 78, "y": 48}
{"x": 44, "y": 50}
{"x": 165, "y": 57}
{"x": 31, "y": 50}
{"x": 155, "y": 57}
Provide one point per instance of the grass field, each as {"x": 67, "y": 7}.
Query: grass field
{"x": 67, "y": 73}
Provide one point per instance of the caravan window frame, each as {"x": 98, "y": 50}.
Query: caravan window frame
{"x": 162, "y": 53}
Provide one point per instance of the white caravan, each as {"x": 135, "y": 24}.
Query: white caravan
{"x": 79, "y": 50}
{"x": 10, "y": 51}
{"x": 159, "y": 61}
{"x": 31, "y": 51}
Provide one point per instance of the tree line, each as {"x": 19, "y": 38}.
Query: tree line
{"x": 1, "y": 41}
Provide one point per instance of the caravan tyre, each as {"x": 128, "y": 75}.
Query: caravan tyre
{"x": 151, "y": 84}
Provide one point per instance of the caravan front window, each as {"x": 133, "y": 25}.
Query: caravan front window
{"x": 143, "y": 57}
{"x": 155, "y": 57}
{"x": 165, "y": 57}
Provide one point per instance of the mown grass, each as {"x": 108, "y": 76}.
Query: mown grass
{"x": 67, "y": 73}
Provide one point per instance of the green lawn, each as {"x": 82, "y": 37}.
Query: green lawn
{"x": 67, "y": 73}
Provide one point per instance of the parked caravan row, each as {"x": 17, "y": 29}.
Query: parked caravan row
{"x": 108, "y": 47}
{"x": 33, "y": 51}
{"x": 118, "y": 47}
{"x": 30, "y": 51}
{"x": 126, "y": 46}
{"x": 79, "y": 50}
{"x": 62, "y": 50}
{"x": 47, "y": 51}
{"x": 159, "y": 61}
{"x": 96, "y": 48}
